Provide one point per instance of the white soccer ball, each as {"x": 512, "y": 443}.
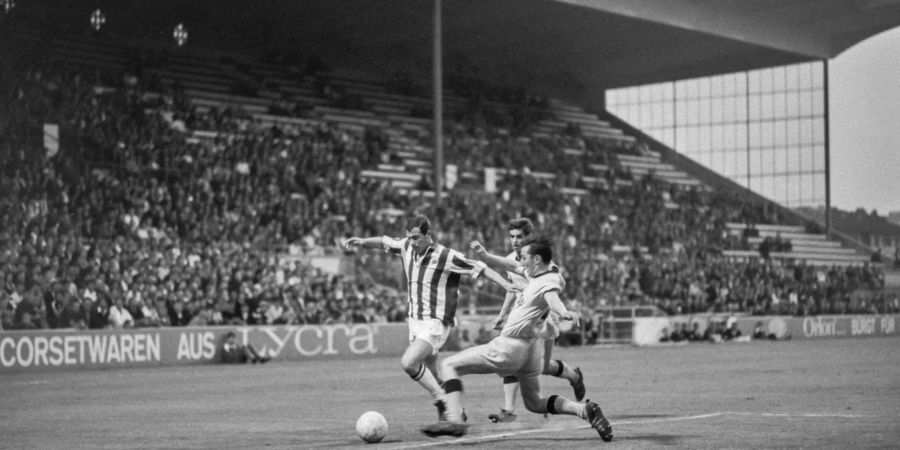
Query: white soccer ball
{"x": 371, "y": 426}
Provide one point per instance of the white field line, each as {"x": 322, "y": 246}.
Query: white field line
{"x": 801, "y": 415}
{"x": 490, "y": 437}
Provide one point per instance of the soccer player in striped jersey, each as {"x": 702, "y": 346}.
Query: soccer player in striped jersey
{"x": 519, "y": 229}
{"x": 518, "y": 351}
{"x": 433, "y": 274}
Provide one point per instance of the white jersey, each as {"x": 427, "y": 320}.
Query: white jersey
{"x": 516, "y": 277}
{"x": 530, "y": 310}
{"x": 550, "y": 328}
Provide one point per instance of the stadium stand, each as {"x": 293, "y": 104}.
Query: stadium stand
{"x": 187, "y": 179}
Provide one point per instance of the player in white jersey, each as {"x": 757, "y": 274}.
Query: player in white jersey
{"x": 518, "y": 350}
{"x": 433, "y": 274}
{"x": 520, "y": 229}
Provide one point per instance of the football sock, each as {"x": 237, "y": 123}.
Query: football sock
{"x": 453, "y": 396}
{"x": 510, "y": 389}
{"x": 559, "y": 369}
{"x": 425, "y": 378}
{"x": 562, "y": 405}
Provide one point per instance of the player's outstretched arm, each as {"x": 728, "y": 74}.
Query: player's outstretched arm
{"x": 492, "y": 275}
{"x": 493, "y": 261}
{"x": 557, "y": 307}
{"x": 369, "y": 242}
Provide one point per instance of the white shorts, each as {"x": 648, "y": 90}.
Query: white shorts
{"x": 431, "y": 331}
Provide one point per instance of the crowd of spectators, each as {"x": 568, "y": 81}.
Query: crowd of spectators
{"x": 137, "y": 221}
{"x": 134, "y": 225}
{"x": 714, "y": 331}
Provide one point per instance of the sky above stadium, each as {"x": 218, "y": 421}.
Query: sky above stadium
{"x": 865, "y": 125}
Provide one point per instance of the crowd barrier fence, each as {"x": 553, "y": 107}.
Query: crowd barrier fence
{"x": 143, "y": 347}
{"x": 54, "y": 350}
{"x": 648, "y": 330}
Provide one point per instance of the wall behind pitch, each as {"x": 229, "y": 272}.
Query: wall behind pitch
{"x": 812, "y": 327}
{"x": 22, "y": 351}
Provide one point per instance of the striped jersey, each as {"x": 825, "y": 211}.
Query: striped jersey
{"x": 432, "y": 280}
{"x": 530, "y": 311}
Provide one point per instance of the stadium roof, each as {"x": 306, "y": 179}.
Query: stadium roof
{"x": 572, "y": 49}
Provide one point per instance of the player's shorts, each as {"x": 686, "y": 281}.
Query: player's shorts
{"x": 508, "y": 356}
{"x": 431, "y": 331}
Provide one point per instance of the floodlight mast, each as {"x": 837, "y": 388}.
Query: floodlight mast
{"x": 438, "y": 90}
{"x": 827, "y": 121}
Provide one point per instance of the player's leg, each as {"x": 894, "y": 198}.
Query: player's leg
{"x": 508, "y": 412}
{"x": 555, "y": 404}
{"x": 419, "y": 361}
{"x": 413, "y": 363}
{"x": 559, "y": 369}
{"x": 425, "y": 338}
{"x": 468, "y": 361}
{"x": 510, "y": 390}
{"x": 431, "y": 363}
{"x": 254, "y": 355}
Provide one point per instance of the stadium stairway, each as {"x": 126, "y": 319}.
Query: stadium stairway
{"x": 811, "y": 248}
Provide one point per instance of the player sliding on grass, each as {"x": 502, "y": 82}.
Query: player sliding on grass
{"x": 432, "y": 274}
{"x": 520, "y": 229}
{"x": 518, "y": 350}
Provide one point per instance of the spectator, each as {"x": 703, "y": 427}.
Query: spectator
{"x": 180, "y": 219}
{"x": 143, "y": 314}
{"x": 731, "y": 331}
{"x": 695, "y": 334}
{"x": 27, "y": 315}
{"x": 178, "y": 316}
{"x": 7, "y": 312}
{"x": 233, "y": 352}
{"x": 678, "y": 333}
{"x": 119, "y": 316}
{"x": 714, "y": 332}
{"x": 758, "y": 332}
{"x": 74, "y": 315}
{"x": 99, "y": 316}
{"x": 203, "y": 317}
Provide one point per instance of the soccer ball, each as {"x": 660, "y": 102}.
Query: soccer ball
{"x": 371, "y": 426}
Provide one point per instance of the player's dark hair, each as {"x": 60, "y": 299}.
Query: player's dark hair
{"x": 521, "y": 223}
{"x": 419, "y": 222}
{"x": 539, "y": 245}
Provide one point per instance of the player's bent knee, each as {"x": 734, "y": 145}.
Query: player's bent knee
{"x": 535, "y": 405}
{"x": 451, "y": 362}
{"x": 410, "y": 364}
{"x": 549, "y": 368}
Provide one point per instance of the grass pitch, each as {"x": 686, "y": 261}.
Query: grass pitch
{"x": 838, "y": 393}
